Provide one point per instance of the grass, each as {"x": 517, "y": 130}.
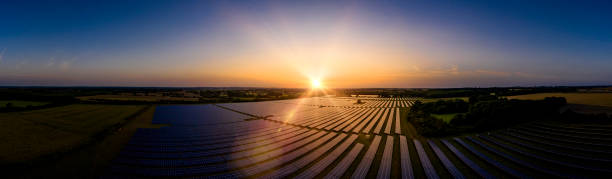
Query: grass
{"x": 598, "y": 99}
{"x": 445, "y": 117}
{"x": 407, "y": 128}
{"x": 29, "y": 135}
{"x": 17, "y": 103}
{"x": 427, "y": 100}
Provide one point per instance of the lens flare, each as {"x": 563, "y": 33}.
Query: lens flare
{"x": 316, "y": 84}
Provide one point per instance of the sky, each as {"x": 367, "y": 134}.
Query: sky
{"x": 343, "y": 44}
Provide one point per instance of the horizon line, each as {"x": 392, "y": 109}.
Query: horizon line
{"x": 93, "y": 86}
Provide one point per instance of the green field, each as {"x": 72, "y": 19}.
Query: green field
{"x": 427, "y": 100}
{"x": 445, "y": 117}
{"x": 16, "y": 103}
{"x": 598, "y": 99}
{"x": 31, "y": 134}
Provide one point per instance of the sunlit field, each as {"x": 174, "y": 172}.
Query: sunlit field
{"x": 599, "y": 99}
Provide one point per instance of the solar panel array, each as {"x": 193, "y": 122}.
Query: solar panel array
{"x": 346, "y": 141}
{"x": 352, "y": 102}
{"x": 354, "y": 120}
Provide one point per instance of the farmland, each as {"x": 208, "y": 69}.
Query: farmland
{"x": 33, "y": 134}
{"x": 334, "y": 137}
{"x": 183, "y": 95}
{"x": 127, "y": 97}
{"x": 445, "y": 117}
{"x": 598, "y": 99}
{"x": 425, "y": 100}
{"x": 21, "y": 104}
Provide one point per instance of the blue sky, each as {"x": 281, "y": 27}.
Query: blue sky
{"x": 286, "y": 44}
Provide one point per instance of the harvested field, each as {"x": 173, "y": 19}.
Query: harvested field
{"x": 597, "y": 99}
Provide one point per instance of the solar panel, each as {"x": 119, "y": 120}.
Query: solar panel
{"x": 429, "y": 169}
{"x": 346, "y": 162}
{"x": 406, "y": 164}
{"x": 364, "y": 166}
{"x": 384, "y": 170}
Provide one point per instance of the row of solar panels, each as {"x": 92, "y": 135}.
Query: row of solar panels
{"x": 393, "y": 99}
{"x": 195, "y": 115}
{"x": 322, "y": 142}
{"x": 305, "y": 153}
{"x": 351, "y": 102}
{"x": 550, "y": 151}
{"x": 308, "y": 151}
{"x": 355, "y": 120}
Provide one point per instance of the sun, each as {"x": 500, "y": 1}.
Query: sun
{"x": 316, "y": 84}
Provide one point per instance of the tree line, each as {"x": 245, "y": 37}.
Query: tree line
{"x": 481, "y": 113}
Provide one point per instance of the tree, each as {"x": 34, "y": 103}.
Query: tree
{"x": 359, "y": 101}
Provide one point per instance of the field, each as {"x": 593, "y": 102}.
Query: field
{"x": 184, "y": 96}
{"x": 139, "y": 98}
{"x": 445, "y": 117}
{"x": 92, "y": 160}
{"x": 16, "y": 103}
{"x": 598, "y": 99}
{"x": 426, "y": 100}
{"x": 344, "y": 140}
{"x": 29, "y": 135}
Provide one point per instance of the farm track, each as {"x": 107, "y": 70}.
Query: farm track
{"x": 340, "y": 141}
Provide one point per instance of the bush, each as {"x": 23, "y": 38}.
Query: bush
{"x": 441, "y": 106}
{"x": 431, "y": 126}
{"x": 427, "y": 125}
{"x": 499, "y": 113}
{"x": 482, "y": 113}
{"x": 477, "y": 98}
{"x": 460, "y": 119}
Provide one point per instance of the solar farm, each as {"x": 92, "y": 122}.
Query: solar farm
{"x": 334, "y": 137}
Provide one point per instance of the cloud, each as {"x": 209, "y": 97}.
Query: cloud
{"x": 537, "y": 76}
{"x": 453, "y": 75}
{"x": 64, "y": 65}
{"x": 439, "y": 72}
{"x": 60, "y": 64}
{"x": 454, "y": 70}
{"x": 493, "y": 73}
{"x": 50, "y": 62}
